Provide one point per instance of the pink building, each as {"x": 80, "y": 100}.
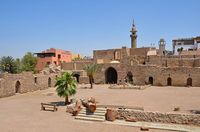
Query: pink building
{"x": 52, "y": 56}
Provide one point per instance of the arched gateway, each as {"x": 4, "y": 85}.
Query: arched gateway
{"x": 151, "y": 80}
{"x": 111, "y": 76}
{"x": 189, "y": 82}
{"x": 169, "y": 81}
{"x": 77, "y": 76}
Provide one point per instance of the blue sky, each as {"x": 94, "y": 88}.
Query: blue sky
{"x": 85, "y": 25}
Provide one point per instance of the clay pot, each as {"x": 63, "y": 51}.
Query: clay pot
{"x": 111, "y": 114}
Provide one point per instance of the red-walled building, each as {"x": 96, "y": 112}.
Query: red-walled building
{"x": 52, "y": 56}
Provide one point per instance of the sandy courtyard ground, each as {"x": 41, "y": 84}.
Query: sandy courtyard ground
{"x": 21, "y": 113}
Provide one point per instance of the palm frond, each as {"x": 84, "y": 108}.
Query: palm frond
{"x": 65, "y": 85}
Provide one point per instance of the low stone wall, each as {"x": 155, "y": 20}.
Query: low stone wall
{"x": 127, "y": 87}
{"x": 189, "y": 119}
{"x": 84, "y": 80}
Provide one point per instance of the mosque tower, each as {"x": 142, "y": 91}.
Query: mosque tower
{"x": 133, "y": 36}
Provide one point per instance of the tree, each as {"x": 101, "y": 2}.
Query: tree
{"x": 18, "y": 65}
{"x": 77, "y": 58}
{"x": 179, "y": 50}
{"x": 91, "y": 70}
{"x": 7, "y": 64}
{"x": 29, "y": 62}
{"x": 66, "y": 86}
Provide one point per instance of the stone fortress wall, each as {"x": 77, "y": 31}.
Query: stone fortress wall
{"x": 175, "y": 61}
{"x": 159, "y": 70}
{"x": 160, "y": 76}
{"x": 10, "y": 84}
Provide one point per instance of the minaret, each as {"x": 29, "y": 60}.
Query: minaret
{"x": 162, "y": 44}
{"x": 133, "y": 36}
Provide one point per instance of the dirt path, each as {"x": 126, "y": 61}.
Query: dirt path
{"x": 21, "y": 113}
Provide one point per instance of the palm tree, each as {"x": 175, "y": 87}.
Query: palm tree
{"x": 91, "y": 70}
{"x": 7, "y": 64}
{"x": 66, "y": 86}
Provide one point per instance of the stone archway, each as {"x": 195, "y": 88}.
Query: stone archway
{"x": 49, "y": 82}
{"x": 76, "y": 76}
{"x": 169, "y": 81}
{"x": 17, "y": 87}
{"x": 129, "y": 77}
{"x": 111, "y": 76}
{"x": 151, "y": 80}
{"x": 189, "y": 82}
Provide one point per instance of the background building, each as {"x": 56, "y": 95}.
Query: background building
{"x": 185, "y": 44}
{"x": 52, "y": 56}
{"x": 145, "y": 65}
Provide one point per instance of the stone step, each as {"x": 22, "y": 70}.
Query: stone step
{"x": 100, "y": 109}
{"x": 97, "y": 109}
{"x": 93, "y": 116}
{"x": 89, "y": 118}
{"x": 96, "y": 113}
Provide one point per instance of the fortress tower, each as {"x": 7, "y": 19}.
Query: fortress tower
{"x": 133, "y": 36}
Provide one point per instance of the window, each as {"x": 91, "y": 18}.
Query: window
{"x": 59, "y": 56}
{"x": 178, "y": 43}
{"x": 35, "y": 80}
{"x": 117, "y": 55}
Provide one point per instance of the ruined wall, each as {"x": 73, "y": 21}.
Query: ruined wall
{"x": 11, "y": 84}
{"x": 160, "y": 75}
{"x": 67, "y": 66}
{"x": 106, "y": 56}
{"x": 81, "y": 65}
{"x": 75, "y": 65}
{"x": 139, "y": 51}
{"x": 84, "y": 80}
{"x": 189, "y": 119}
{"x": 179, "y": 76}
{"x": 160, "y": 69}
